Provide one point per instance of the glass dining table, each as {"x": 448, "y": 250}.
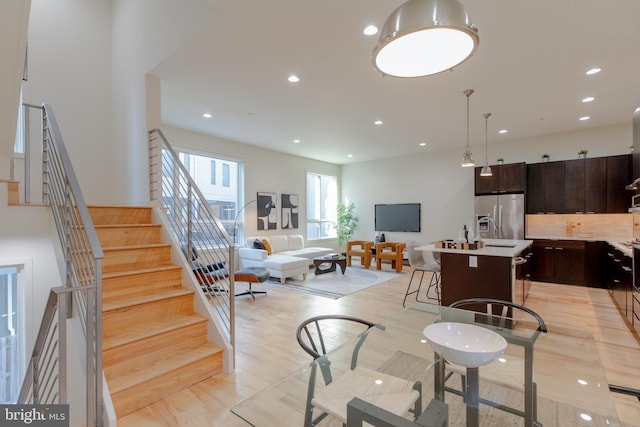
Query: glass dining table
{"x": 569, "y": 384}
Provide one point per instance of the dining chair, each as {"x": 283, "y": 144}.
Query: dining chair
{"x": 393, "y": 394}
{"x": 423, "y": 261}
{"x": 512, "y": 371}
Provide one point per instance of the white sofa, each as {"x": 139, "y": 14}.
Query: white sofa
{"x": 288, "y": 256}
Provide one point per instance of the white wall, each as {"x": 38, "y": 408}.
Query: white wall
{"x": 145, "y": 32}
{"x": 70, "y": 68}
{"x": 26, "y": 234}
{"x": 264, "y": 171}
{"x": 446, "y": 190}
{"x": 14, "y": 19}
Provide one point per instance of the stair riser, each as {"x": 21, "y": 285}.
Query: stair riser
{"x": 192, "y": 335}
{"x": 129, "y": 235}
{"x": 143, "y": 394}
{"x": 107, "y": 215}
{"x": 114, "y": 321}
{"x": 135, "y": 259}
{"x": 136, "y": 284}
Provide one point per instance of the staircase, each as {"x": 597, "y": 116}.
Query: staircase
{"x": 154, "y": 343}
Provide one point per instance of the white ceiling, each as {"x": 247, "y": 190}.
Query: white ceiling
{"x": 529, "y": 71}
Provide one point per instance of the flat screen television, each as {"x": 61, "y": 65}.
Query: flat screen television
{"x": 398, "y": 217}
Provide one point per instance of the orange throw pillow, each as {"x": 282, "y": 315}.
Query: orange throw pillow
{"x": 267, "y": 246}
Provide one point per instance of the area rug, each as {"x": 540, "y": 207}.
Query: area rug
{"x": 335, "y": 284}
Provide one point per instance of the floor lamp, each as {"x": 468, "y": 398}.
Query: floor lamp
{"x": 270, "y": 205}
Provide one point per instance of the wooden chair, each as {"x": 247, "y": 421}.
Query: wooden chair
{"x": 359, "y": 248}
{"x": 391, "y": 251}
{"x": 396, "y": 395}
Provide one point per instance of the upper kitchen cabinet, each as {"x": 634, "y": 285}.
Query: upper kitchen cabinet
{"x": 509, "y": 178}
{"x": 545, "y": 187}
{"x": 585, "y": 188}
{"x": 594, "y": 185}
{"x": 619, "y": 174}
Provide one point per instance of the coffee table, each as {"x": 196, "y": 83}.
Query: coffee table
{"x": 332, "y": 260}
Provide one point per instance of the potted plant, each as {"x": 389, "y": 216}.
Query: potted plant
{"x": 582, "y": 154}
{"x": 545, "y": 157}
{"x": 346, "y": 224}
{"x": 500, "y": 160}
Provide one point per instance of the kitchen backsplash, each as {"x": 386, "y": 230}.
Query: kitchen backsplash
{"x": 597, "y": 226}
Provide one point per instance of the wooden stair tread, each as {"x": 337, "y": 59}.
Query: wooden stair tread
{"x": 145, "y": 329}
{"x": 113, "y": 226}
{"x": 120, "y": 302}
{"x": 159, "y": 268}
{"x": 135, "y": 247}
{"x": 146, "y": 367}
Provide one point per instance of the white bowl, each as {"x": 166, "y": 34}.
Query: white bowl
{"x": 465, "y": 344}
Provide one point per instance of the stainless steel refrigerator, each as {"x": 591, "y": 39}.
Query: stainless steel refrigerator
{"x": 500, "y": 216}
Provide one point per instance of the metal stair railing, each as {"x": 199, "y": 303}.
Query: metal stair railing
{"x": 46, "y": 380}
{"x": 195, "y": 226}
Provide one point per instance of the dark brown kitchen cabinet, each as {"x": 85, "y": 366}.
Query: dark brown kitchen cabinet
{"x": 618, "y": 175}
{"x": 585, "y": 188}
{"x": 509, "y": 178}
{"x": 621, "y": 280}
{"x": 559, "y": 261}
{"x": 596, "y": 273}
{"x": 545, "y": 188}
{"x": 594, "y": 185}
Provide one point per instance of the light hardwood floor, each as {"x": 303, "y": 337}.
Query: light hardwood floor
{"x": 267, "y": 349}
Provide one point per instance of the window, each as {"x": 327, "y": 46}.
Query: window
{"x": 10, "y": 378}
{"x": 225, "y": 174}
{"x": 223, "y": 201}
{"x": 322, "y": 201}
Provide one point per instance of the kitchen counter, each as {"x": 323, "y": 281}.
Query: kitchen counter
{"x": 493, "y": 247}
{"x": 617, "y": 242}
{"x": 489, "y": 272}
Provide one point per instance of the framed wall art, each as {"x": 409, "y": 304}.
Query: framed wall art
{"x": 267, "y": 212}
{"x": 289, "y": 211}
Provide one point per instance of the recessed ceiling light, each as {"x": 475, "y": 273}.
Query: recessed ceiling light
{"x": 585, "y": 417}
{"x": 594, "y": 70}
{"x": 503, "y": 131}
{"x": 588, "y": 99}
{"x": 377, "y": 122}
{"x": 582, "y": 382}
{"x": 370, "y": 30}
{"x": 584, "y": 118}
{"x": 349, "y": 155}
{"x": 293, "y": 78}
{"x": 296, "y": 141}
{"x": 207, "y": 115}
{"x": 423, "y": 144}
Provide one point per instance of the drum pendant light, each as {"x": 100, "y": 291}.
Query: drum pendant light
{"x": 467, "y": 158}
{"x": 425, "y": 37}
{"x": 486, "y": 169}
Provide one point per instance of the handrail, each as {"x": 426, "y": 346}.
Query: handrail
{"x": 83, "y": 283}
{"x": 204, "y": 240}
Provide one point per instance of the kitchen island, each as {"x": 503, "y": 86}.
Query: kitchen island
{"x": 488, "y": 272}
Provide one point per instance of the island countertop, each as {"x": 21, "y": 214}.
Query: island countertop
{"x": 493, "y": 247}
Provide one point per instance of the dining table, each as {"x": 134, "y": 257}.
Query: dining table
{"x": 569, "y": 381}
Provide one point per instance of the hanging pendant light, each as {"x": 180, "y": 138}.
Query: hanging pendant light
{"x": 424, "y": 37}
{"x": 486, "y": 169}
{"x": 467, "y": 158}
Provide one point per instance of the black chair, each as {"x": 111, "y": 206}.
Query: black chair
{"x": 499, "y": 314}
{"x": 210, "y": 275}
{"x": 310, "y": 337}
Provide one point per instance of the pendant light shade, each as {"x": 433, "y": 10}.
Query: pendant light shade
{"x": 467, "y": 158}
{"x": 486, "y": 169}
{"x": 424, "y": 37}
